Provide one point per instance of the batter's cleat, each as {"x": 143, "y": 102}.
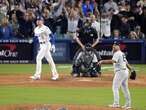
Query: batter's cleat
{"x": 126, "y": 107}
{"x": 114, "y": 106}
{"x": 54, "y": 78}
{"x": 35, "y": 77}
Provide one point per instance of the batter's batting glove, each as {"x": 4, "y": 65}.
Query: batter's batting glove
{"x": 53, "y": 49}
{"x": 133, "y": 75}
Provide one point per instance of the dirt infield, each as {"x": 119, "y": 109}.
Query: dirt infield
{"x": 55, "y": 107}
{"x": 65, "y": 81}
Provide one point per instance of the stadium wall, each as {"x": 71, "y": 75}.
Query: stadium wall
{"x": 24, "y": 51}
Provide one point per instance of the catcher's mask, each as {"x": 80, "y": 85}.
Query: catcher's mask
{"x": 88, "y": 47}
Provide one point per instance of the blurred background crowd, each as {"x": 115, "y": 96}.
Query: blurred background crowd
{"x": 112, "y": 19}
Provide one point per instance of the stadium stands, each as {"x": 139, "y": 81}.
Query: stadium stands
{"x": 17, "y": 17}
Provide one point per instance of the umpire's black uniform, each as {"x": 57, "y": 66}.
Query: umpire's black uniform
{"x": 87, "y": 35}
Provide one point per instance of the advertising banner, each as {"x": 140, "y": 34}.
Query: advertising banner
{"x": 134, "y": 50}
{"x": 24, "y": 51}
{"x": 62, "y": 51}
{"x": 16, "y": 51}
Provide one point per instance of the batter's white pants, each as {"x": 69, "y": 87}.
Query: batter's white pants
{"x": 121, "y": 80}
{"x": 45, "y": 52}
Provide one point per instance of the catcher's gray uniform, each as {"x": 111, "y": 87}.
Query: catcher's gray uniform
{"x": 85, "y": 62}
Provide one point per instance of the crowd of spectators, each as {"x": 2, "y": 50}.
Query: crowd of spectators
{"x": 112, "y": 19}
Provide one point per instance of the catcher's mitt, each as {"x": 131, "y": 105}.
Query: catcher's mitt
{"x": 133, "y": 75}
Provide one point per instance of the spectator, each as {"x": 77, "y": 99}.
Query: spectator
{"x": 142, "y": 20}
{"x": 54, "y": 16}
{"x": 123, "y": 5}
{"x": 61, "y": 25}
{"x": 15, "y": 25}
{"x": 26, "y": 26}
{"x": 95, "y": 24}
{"x": 116, "y": 34}
{"x": 1, "y": 16}
{"x": 78, "y": 5}
{"x": 4, "y": 6}
{"x": 115, "y": 22}
{"x": 18, "y": 11}
{"x": 133, "y": 36}
{"x": 95, "y": 10}
{"x": 71, "y": 2}
{"x": 124, "y": 27}
{"x": 141, "y": 3}
{"x": 106, "y": 25}
{"x": 139, "y": 33}
{"x": 48, "y": 20}
{"x": 111, "y": 6}
{"x": 5, "y": 29}
{"x": 73, "y": 20}
{"x": 87, "y": 8}
{"x": 58, "y": 8}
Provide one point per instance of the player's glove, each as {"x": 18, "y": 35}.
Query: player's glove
{"x": 53, "y": 49}
{"x": 133, "y": 75}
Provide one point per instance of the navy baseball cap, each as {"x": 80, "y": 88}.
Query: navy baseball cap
{"x": 40, "y": 18}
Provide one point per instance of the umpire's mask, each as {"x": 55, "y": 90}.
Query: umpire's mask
{"x": 88, "y": 47}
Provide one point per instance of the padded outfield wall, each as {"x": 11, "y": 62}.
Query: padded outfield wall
{"x": 24, "y": 51}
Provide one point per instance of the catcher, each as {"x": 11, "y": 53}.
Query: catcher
{"x": 85, "y": 63}
{"x": 86, "y": 58}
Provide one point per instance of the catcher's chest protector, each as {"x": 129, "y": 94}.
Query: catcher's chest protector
{"x": 87, "y": 58}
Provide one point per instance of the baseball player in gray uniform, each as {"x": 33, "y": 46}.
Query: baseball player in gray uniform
{"x": 43, "y": 33}
{"x": 121, "y": 67}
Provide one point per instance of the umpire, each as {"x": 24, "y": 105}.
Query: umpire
{"x": 87, "y": 36}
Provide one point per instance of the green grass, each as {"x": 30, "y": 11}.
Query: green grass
{"x": 62, "y": 68}
{"x": 8, "y": 69}
{"x": 47, "y": 95}
{"x": 85, "y": 96}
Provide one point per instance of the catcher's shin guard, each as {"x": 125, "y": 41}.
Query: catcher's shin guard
{"x": 93, "y": 73}
{"x": 75, "y": 71}
{"x": 98, "y": 69}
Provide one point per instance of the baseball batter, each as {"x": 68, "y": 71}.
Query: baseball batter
{"x": 121, "y": 67}
{"x": 43, "y": 33}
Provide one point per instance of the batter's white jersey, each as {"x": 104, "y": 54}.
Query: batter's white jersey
{"x": 42, "y": 33}
{"x": 121, "y": 61}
